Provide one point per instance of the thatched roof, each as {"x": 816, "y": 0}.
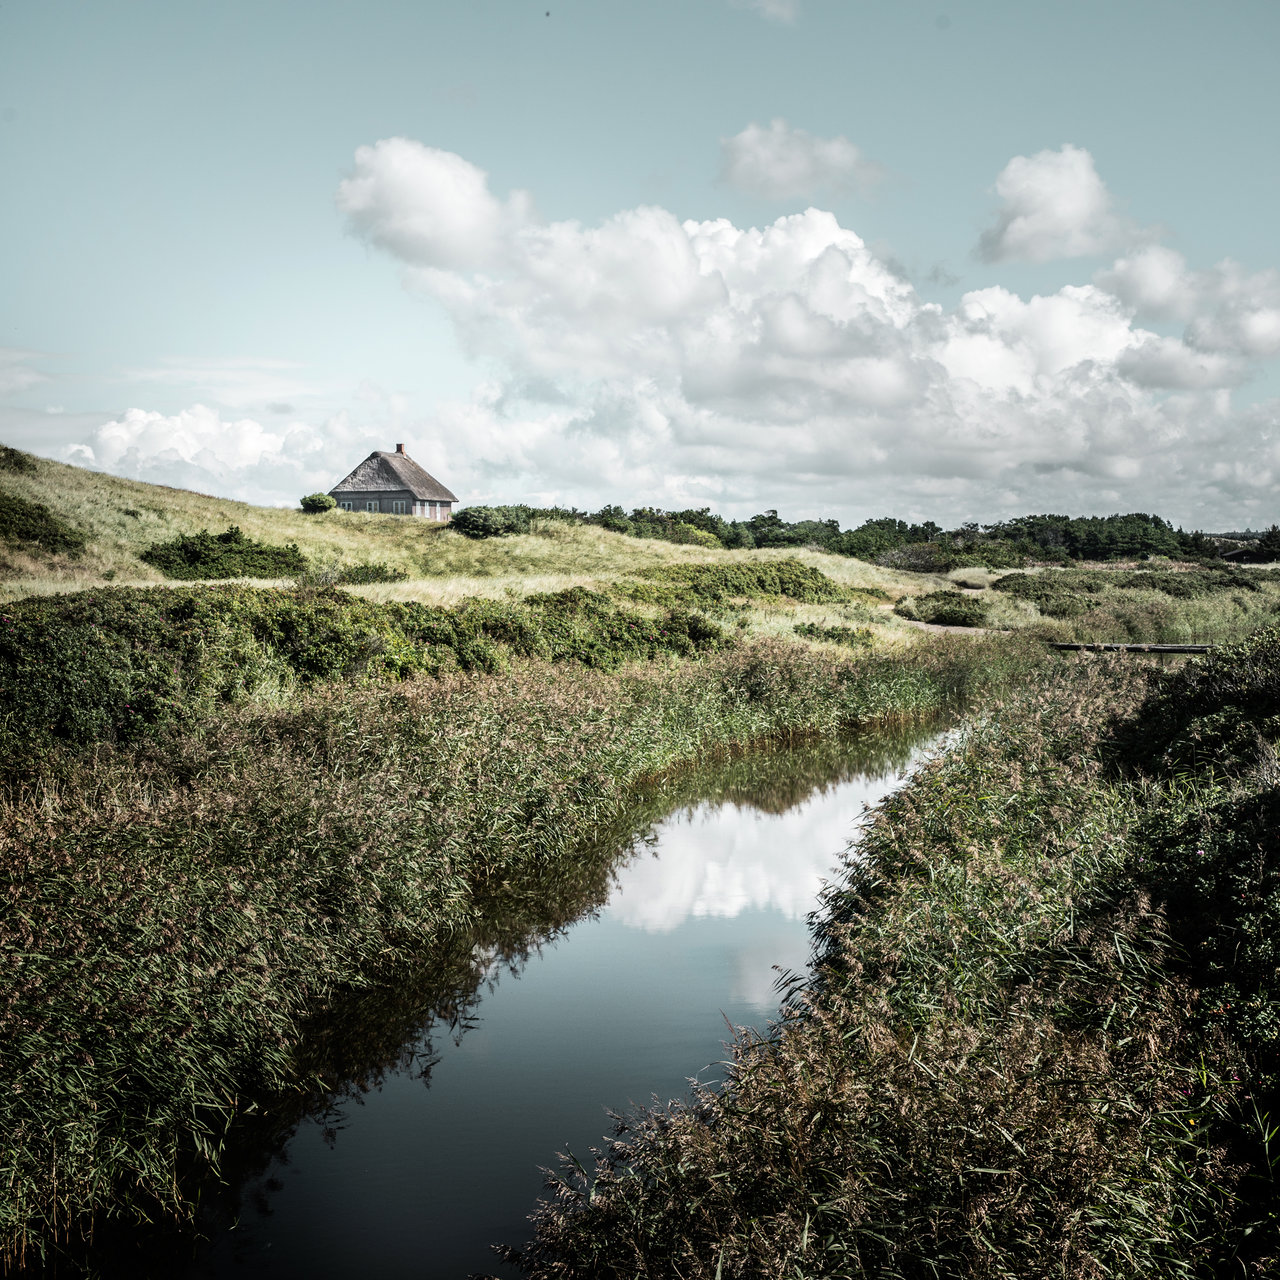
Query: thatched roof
{"x": 387, "y": 472}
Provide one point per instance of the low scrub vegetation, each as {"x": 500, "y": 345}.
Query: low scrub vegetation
{"x": 223, "y": 555}
{"x": 189, "y": 894}
{"x": 337, "y": 574}
{"x": 14, "y": 460}
{"x": 500, "y": 522}
{"x": 919, "y": 548}
{"x": 29, "y": 525}
{"x": 944, "y": 609}
{"x": 112, "y": 665}
{"x": 853, "y": 637}
{"x": 1040, "y": 1037}
{"x": 1209, "y": 605}
{"x": 704, "y": 585}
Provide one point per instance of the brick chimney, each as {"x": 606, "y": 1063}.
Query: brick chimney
{"x": 399, "y": 448}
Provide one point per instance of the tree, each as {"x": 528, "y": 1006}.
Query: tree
{"x": 315, "y": 504}
{"x": 1268, "y": 546}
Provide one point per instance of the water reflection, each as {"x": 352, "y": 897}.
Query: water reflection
{"x": 585, "y": 989}
{"x": 721, "y": 861}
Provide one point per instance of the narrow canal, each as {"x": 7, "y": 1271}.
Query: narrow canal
{"x": 427, "y": 1159}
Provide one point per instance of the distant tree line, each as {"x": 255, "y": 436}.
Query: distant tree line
{"x": 924, "y": 547}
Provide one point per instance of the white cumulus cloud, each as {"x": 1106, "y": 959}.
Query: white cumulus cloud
{"x": 198, "y": 449}
{"x": 650, "y": 359}
{"x": 1229, "y": 312}
{"x": 783, "y": 163}
{"x": 427, "y": 205}
{"x": 1052, "y": 205}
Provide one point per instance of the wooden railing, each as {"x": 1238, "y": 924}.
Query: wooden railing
{"x": 1137, "y": 648}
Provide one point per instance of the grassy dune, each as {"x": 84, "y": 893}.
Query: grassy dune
{"x": 121, "y": 518}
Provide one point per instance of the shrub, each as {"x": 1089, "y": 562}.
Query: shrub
{"x": 944, "y": 609}
{"x": 315, "y": 504}
{"x": 491, "y": 522}
{"x": 498, "y": 522}
{"x": 112, "y": 664}
{"x": 715, "y": 583}
{"x": 224, "y": 555}
{"x": 33, "y": 524}
{"x": 337, "y": 574}
{"x": 854, "y": 637}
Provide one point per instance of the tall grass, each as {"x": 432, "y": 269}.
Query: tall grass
{"x": 1000, "y": 1066}
{"x": 180, "y": 904}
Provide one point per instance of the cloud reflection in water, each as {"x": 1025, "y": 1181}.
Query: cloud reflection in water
{"x": 726, "y": 859}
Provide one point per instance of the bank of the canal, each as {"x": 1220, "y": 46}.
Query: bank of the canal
{"x": 1041, "y": 1038}
{"x": 188, "y": 903}
{"x": 442, "y": 1157}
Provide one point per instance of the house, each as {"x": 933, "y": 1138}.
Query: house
{"x": 395, "y": 485}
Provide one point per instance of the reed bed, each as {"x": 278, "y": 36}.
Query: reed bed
{"x": 178, "y": 904}
{"x": 1040, "y": 1036}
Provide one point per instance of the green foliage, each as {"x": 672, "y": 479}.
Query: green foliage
{"x": 1217, "y": 714}
{"x": 854, "y": 637}
{"x": 1214, "y": 603}
{"x": 337, "y": 574}
{"x": 1128, "y": 537}
{"x": 944, "y": 609}
{"x": 692, "y": 527}
{"x": 113, "y": 665}
{"x": 925, "y": 547}
{"x": 1191, "y": 584}
{"x": 315, "y": 504}
{"x": 498, "y": 522}
{"x": 1264, "y": 549}
{"x": 223, "y": 555}
{"x": 32, "y": 524}
{"x": 715, "y": 584}
{"x": 15, "y": 460}
{"x": 873, "y": 538}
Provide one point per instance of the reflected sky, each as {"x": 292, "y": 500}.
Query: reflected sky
{"x": 421, "y": 1174}
{"x": 721, "y": 860}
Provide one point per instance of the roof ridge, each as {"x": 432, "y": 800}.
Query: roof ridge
{"x": 383, "y": 471}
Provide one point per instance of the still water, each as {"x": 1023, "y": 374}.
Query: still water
{"x": 421, "y": 1164}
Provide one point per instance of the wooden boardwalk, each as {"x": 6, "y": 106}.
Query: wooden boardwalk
{"x": 1137, "y": 648}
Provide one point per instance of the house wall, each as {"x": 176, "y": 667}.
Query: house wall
{"x": 386, "y": 500}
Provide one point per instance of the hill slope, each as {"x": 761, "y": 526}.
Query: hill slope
{"x": 120, "y": 518}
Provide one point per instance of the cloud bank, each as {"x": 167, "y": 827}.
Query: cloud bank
{"x": 198, "y": 448}
{"x": 786, "y": 365}
{"x": 649, "y": 359}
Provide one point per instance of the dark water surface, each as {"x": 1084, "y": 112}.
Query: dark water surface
{"x": 429, "y": 1145}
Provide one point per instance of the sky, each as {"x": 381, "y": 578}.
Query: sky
{"x": 837, "y": 258}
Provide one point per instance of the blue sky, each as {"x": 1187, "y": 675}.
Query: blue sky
{"x": 247, "y": 243}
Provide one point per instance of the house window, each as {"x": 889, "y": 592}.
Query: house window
{"x": 346, "y": 506}
{"x": 371, "y": 506}
{"x": 397, "y": 506}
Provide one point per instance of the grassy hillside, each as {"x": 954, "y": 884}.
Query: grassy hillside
{"x": 119, "y": 519}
